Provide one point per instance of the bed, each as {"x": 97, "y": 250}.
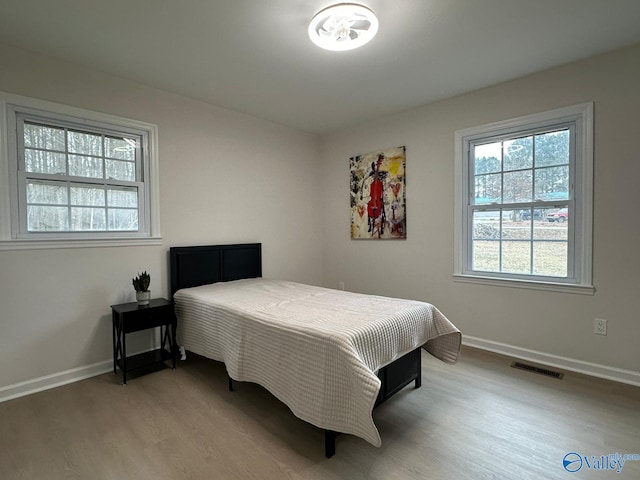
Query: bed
{"x": 330, "y": 356}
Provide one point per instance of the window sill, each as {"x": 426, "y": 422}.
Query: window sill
{"x": 78, "y": 243}
{"x": 513, "y": 283}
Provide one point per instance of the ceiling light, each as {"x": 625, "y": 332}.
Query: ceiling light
{"x": 344, "y": 26}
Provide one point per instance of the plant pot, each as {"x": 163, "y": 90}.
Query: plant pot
{"x": 143, "y": 297}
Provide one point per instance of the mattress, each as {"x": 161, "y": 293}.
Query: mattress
{"x": 315, "y": 349}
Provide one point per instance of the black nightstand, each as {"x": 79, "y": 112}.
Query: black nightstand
{"x": 128, "y": 318}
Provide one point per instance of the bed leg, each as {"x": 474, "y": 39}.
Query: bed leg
{"x": 419, "y": 377}
{"x": 330, "y": 443}
{"x": 230, "y": 384}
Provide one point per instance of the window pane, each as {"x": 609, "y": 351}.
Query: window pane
{"x": 82, "y": 196}
{"x": 552, "y": 148}
{"x": 516, "y": 257}
{"x": 486, "y": 256}
{"x": 47, "y": 219}
{"x": 47, "y": 193}
{"x": 514, "y": 229}
{"x": 120, "y": 148}
{"x": 487, "y": 158}
{"x": 486, "y": 224}
{"x": 518, "y": 153}
{"x": 39, "y": 136}
{"x": 81, "y": 166}
{"x": 40, "y": 161}
{"x": 552, "y": 183}
{"x": 550, "y": 258}
{"x": 123, "y": 197}
{"x": 546, "y": 230}
{"x": 121, "y": 219}
{"x": 86, "y": 143}
{"x": 487, "y": 189}
{"x": 119, "y": 170}
{"x": 88, "y": 219}
{"x": 518, "y": 186}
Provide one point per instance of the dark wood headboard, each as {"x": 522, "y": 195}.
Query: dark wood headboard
{"x": 194, "y": 266}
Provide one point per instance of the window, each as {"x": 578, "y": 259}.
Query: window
{"x": 77, "y": 177}
{"x": 523, "y": 201}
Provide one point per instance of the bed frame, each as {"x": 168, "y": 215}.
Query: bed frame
{"x": 202, "y": 265}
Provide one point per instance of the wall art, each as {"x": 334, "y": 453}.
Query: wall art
{"x": 378, "y": 205}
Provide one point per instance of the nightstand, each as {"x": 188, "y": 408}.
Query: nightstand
{"x": 128, "y": 318}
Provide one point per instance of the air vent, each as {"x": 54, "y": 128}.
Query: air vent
{"x": 541, "y": 371}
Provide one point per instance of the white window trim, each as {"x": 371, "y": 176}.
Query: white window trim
{"x": 583, "y": 237}
{"x": 9, "y": 228}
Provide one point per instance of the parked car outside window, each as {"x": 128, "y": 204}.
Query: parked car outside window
{"x": 537, "y": 214}
{"x": 560, "y": 216}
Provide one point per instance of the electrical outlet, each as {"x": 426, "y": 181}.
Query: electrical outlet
{"x": 341, "y": 285}
{"x": 600, "y": 326}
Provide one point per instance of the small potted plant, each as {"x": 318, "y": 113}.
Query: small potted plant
{"x": 141, "y": 285}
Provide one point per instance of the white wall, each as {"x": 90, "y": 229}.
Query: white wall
{"x": 421, "y": 267}
{"x": 224, "y": 178}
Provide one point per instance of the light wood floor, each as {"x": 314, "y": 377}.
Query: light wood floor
{"x": 478, "y": 419}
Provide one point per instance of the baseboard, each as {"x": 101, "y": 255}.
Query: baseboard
{"x": 587, "y": 368}
{"x": 54, "y": 380}
{"x": 596, "y": 370}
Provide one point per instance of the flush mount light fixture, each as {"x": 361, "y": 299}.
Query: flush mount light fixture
{"x": 344, "y": 26}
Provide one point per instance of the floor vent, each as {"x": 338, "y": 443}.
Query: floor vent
{"x": 541, "y": 371}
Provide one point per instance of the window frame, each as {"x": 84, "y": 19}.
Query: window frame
{"x": 14, "y": 111}
{"x": 579, "y": 279}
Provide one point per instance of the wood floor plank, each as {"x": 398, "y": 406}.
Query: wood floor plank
{"x": 478, "y": 419}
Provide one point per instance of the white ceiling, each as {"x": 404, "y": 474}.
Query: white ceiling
{"x": 254, "y": 56}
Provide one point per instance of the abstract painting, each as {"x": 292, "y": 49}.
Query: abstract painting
{"x": 378, "y": 206}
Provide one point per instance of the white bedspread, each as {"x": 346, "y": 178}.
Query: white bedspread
{"x": 315, "y": 349}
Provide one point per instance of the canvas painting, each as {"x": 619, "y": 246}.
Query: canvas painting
{"x": 378, "y": 207}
